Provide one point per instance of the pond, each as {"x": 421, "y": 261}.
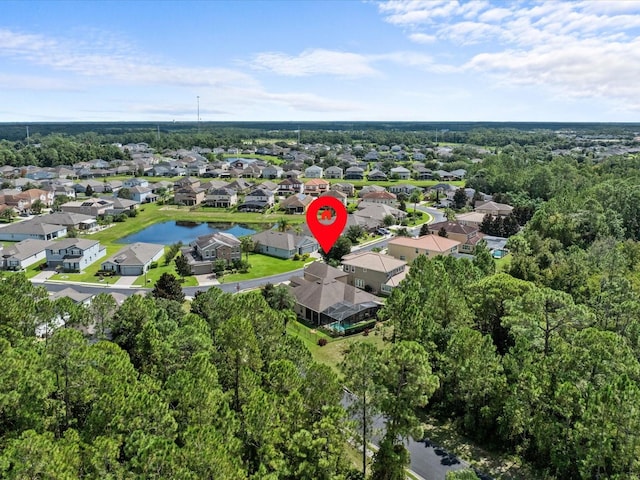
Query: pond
{"x": 167, "y": 233}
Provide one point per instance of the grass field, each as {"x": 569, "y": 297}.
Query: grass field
{"x": 263, "y": 266}
{"x": 153, "y": 275}
{"x": 331, "y": 354}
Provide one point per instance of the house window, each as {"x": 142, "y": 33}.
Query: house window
{"x": 385, "y": 288}
{"x": 364, "y": 270}
{"x": 402, "y": 257}
{"x": 345, "y": 268}
{"x": 353, "y": 269}
{"x": 359, "y": 283}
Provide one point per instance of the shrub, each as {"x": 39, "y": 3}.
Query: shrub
{"x": 153, "y": 265}
{"x": 296, "y": 257}
{"x": 306, "y": 256}
{"x": 366, "y": 332}
{"x": 322, "y": 342}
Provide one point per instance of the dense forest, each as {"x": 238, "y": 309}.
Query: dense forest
{"x": 64, "y": 144}
{"x": 540, "y": 359}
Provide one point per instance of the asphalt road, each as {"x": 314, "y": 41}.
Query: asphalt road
{"x": 424, "y": 462}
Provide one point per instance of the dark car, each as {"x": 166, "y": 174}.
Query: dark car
{"x": 449, "y": 460}
{"x": 441, "y": 452}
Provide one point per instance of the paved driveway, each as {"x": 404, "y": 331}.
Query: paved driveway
{"x": 126, "y": 281}
{"x": 43, "y": 276}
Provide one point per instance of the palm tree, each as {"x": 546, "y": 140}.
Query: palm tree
{"x": 248, "y": 245}
{"x": 415, "y": 198}
{"x": 283, "y": 224}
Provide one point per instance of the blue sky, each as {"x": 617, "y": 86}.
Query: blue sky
{"x": 395, "y": 60}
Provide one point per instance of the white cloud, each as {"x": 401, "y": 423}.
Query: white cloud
{"x": 315, "y": 62}
{"x": 110, "y": 63}
{"x": 26, "y": 82}
{"x": 588, "y": 49}
{"x": 422, "y": 38}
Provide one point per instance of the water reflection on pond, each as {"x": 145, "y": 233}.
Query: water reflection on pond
{"x": 167, "y": 233}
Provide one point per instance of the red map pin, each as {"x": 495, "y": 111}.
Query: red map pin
{"x": 326, "y": 217}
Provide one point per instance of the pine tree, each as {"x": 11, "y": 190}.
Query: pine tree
{"x": 168, "y": 287}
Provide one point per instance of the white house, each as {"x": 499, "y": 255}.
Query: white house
{"x": 74, "y": 254}
{"x": 314, "y": 171}
{"x": 23, "y": 254}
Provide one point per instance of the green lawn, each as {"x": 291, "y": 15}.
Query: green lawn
{"x": 503, "y": 263}
{"x": 331, "y": 354}
{"x": 34, "y": 269}
{"x": 263, "y": 266}
{"x": 89, "y": 274}
{"x": 154, "y": 274}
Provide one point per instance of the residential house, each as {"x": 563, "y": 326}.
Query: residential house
{"x": 196, "y": 168}
{"x": 96, "y": 207}
{"x": 268, "y": 185}
{"x": 321, "y": 271}
{"x": 470, "y": 218}
{"x": 221, "y": 198}
{"x": 423, "y": 173}
{"x": 190, "y": 195}
{"x": 348, "y": 189}
{"x": 400, "y": 173}
{"x": 370, "y": 188}
{"x": 186, "y": 182}
{"x": 96, "y": 187}
{"x": 377, "y": 176}
{"x": 316, "y": 187}
{"x": 376, "y": 212}
{"x": 444, "y": 175}
{"x": 258, "y": 200}
{"x": 290, "y": 186}
{"x": 143, "y": 194}
{"x": 240, "y": 163}
{"x": 467, "y": 235}
{"x": 252, "y": 171}
{"x": 21, "y": 255}
{"x": 330, "y": 301}
{"x": 458, "y": 174}
{"x": 374, "y": 272}
{"x": 122, "y": 205}
{"x": 407, "y": 249}
{"x": 403, "y": 188}
{"x": 134, "y": 259}
{"x": 333, "y": 172}
{"x": 283, "y": 244}
{"x": 76, "y": 221}
{"x": 23, "y": 201}
{"x": 31, "y": 229}
{"x": 383, "y": 198}
{"x": 354, "y": 173}
{"x": 371, "y": 156}
{"x": 74, "y": 254}
{"x": 135, "y": 182}
{"x": 336, "y": 194}
{"x": 241, "y": 186}
{"x": 292, "y": 174}
{"x": 272, "y": 172}
{"x": 297, "y": 203}
{"x": 493, "y": 208}
{"x": 206, "y": 249}
{"x": 314, "y": 171}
